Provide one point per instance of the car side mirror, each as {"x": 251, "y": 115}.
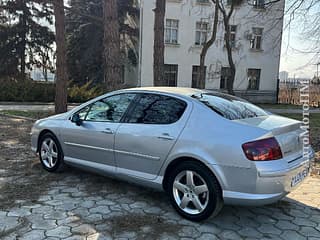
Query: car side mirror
{"x": 76, "y": 119}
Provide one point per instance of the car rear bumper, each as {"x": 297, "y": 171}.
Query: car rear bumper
{"x": 272, "y": 186}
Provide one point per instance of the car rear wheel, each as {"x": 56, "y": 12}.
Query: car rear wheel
{"x": 194, "y": 191}
{"x": 50, "y": 153}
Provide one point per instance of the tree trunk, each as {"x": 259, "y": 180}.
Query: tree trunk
{"x": 230, "y": 80}
{"x": 23, "y": 36}
{"x": 158, "y": 46}
{"x": 226, "y": 21}
{"x": 202, "y": 77}
{"x": 112, "y": 71}
{"x": 61, "y": 64}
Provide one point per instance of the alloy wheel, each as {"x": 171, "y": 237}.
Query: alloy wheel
{"x": 190, "y": 192}
{"x": 49, "y": 153}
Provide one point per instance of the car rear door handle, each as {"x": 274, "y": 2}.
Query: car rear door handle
{"x": 107, "y": 131}
{"x": 166, "y": 136}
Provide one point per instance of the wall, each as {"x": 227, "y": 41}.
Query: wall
{"x": 186, "y": 54}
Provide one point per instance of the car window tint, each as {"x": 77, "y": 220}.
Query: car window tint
{"x": 157, "y": 109}
{"x": 230, "y": 107}
{"x": 110, "y": 109}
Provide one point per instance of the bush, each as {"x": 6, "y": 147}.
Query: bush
{"x": 31, "y": 91}
{"x": 79, "y": 94}
{"x": 26, "y": 91}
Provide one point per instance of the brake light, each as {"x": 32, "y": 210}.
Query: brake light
{"x": 262, "y": 150}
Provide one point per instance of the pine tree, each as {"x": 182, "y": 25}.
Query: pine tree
{"x": 84, "y": 42}
{"x": 85, "y": 38}
{"x": 25, "y": 35}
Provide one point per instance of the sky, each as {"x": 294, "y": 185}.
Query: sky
{"x": 298, "y": 64}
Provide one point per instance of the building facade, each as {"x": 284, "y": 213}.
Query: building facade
{"x": 255, "y": 34}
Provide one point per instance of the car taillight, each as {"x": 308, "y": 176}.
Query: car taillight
{"x": 262, "y": 150}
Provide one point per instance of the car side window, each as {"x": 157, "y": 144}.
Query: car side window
{"x": 157, "y": 109}
{"x": 83, "y": 112}
{"x": 109, "y": 109}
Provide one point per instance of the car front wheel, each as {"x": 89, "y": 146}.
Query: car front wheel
{"x": 194, "y": 191}
{"x": 50, "y": 153}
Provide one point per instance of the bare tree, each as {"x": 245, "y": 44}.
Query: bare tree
{"x": 158, "y": 47}
{"x": 206, "y": 46}
{"x": 112, "y": 74}
{"x": 61, "y": 65}
{"x": 305, "y": 15}
{"x": 226, "y": 23}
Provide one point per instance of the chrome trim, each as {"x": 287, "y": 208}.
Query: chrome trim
{"x": 116, "y": 151}
{"x": 87, "y": 146}
{"x": 138, "y": 155}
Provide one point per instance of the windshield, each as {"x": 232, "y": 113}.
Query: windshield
{"x": 230, "y": 107}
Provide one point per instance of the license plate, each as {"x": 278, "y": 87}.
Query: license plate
{"x": 299, "y": 177}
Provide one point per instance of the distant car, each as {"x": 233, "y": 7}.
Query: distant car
{"x": 204, "y": 148}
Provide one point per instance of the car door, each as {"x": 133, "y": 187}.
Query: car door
{"x": 93, "y": 140}
{"x": 147, "y": 135}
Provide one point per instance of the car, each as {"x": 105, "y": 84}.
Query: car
{"x": 203, "y": 148}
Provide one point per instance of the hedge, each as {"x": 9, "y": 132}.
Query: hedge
{"x": 31, "y": 91}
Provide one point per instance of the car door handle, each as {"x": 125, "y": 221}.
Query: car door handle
{"x": 166, "y": 136}
{"x": 107, "y": 131}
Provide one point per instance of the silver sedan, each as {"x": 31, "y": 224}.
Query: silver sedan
{"x": 203, "y": 148}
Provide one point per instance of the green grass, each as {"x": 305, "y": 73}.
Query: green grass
{"x": 314, "y": 118}
{"x": 279, "y": 106}
{"x": 29, "y": 114}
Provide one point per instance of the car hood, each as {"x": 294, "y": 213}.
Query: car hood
{"x": 58, "y": 116}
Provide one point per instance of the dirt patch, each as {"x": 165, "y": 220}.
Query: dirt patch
{"x": 150, "y": 226}
{"x": 20, "y": 170}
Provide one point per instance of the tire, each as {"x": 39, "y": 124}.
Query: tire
{"x": 187, "y": 197}
{"x": 50, "y": 153}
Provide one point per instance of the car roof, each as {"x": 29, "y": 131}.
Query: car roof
{"x": 183, "y": 92}
{"x": 173, "y": 90}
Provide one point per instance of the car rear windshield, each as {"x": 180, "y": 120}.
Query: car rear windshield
{"x": 230, "y": 107}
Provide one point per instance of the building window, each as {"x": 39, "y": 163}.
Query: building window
{"x": 233, "y": 32}
{"x": 256, "y": 40}
{"x": 196, "y": 76}
{"x": 171, "y": 74}
{"x": 171, "y": 30}
{"x": 201, "y": 33}
{"x": 258, "y": 3}
{"x": 253, "y": 78}
{"x": 225, "y": 76}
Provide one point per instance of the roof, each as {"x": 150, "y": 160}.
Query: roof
{"x": 173, "y": 90}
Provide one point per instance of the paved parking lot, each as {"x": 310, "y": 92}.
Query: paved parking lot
{"x": 78, "y": 205}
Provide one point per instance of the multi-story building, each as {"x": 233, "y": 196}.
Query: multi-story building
{"x": 256, "y": 32}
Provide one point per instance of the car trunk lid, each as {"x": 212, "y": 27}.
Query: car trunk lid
{"x": 287, "y": 131}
